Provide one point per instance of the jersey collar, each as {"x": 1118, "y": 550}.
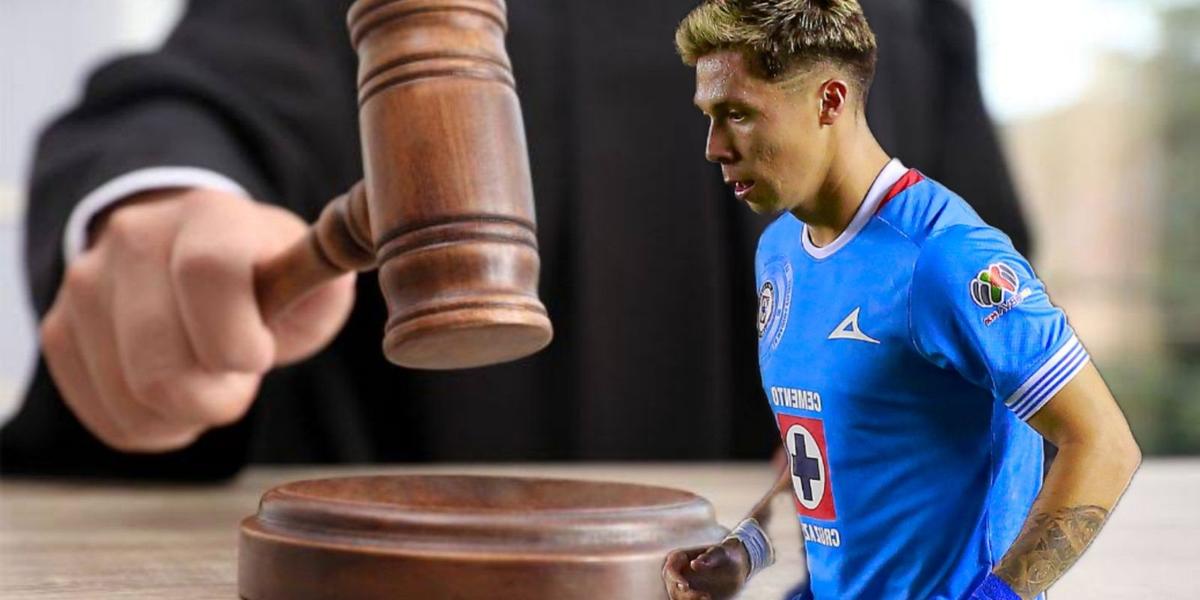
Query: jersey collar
{"x": 891, "y": 173}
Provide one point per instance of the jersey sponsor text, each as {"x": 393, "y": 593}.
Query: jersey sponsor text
{"x": 794, "y": 398}
{"x": 825, "y": 536}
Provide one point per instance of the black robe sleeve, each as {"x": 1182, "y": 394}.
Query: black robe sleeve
{"x": 261, "y": 92}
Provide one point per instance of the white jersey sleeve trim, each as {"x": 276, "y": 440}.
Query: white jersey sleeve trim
{"x": 1056, "y": 372}
{"x": 129, "y": 184}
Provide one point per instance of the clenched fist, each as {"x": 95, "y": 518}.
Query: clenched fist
{"x": 711, "y": 573}
{"x": 155, "y": 335}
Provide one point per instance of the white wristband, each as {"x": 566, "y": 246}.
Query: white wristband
{"x": 758, "y": 545}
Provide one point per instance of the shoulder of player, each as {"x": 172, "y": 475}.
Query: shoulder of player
{"x": 925, "y": 209}
{"x": 946, "y": 263}
{"x": 951, "y": 255}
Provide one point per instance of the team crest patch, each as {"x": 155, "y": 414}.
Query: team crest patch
{"x": 766, "y": 306}
{"x": 804, "y": 440}
{"x": 774, "y": 303}
{"x": 997, "y": 286}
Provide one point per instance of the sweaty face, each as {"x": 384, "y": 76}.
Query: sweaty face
{"x": 766, "y": 136}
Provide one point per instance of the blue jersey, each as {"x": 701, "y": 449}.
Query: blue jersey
{"x": 901, "y": 361}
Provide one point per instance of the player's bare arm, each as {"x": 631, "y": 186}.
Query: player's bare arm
{"x": 1097, "y": 456}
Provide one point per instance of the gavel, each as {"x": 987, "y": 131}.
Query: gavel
{"x": 446, "y": 213}
{"x": 445, "y": 210}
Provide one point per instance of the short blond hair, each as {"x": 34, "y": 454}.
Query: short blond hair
{"x": 782, "y": 35}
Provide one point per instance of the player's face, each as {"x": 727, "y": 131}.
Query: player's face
{"x": 766, "y": 136}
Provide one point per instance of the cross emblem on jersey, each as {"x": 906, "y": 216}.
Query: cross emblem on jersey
{"x": 808, "y": 467}
{"x": 808, "y": 461}
{"x": 805, "y": 469}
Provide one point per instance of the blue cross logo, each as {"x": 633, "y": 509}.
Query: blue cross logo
{"x": 806, "y": 469}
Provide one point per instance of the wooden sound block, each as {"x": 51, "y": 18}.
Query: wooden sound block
{"x": 466, "y": 537}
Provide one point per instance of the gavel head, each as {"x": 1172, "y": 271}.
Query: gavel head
{"x": 447, "y": 183}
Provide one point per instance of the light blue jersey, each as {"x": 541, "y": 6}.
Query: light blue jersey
{"x": 901, "y": 361}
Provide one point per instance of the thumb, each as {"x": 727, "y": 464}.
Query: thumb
{"x": 312, "y": 322}
{"x": 309, "y": 323}
{"x": 708, "y": 560}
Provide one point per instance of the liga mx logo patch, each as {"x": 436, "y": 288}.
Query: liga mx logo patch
{"x": 804, "y": 440}
{"x": 990, "y": 287}
{"x": 774, "y": 303}
{"x": 997, "y": 286}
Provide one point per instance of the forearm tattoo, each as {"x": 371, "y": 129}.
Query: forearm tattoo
{"x": 1048, "y": 545}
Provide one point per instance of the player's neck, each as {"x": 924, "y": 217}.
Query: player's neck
{"x": 854, "y": 168}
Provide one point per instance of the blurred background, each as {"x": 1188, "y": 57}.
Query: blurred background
{"x": 1097, "y": 103}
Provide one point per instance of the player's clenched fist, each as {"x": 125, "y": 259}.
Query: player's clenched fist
{"x": 709, "y": 573}
{"x": 155, "y": 335}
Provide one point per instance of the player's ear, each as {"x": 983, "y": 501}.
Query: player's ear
{"x": 833, "y": 100}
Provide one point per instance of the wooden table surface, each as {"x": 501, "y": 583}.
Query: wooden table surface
{"x": 115, "y": 541}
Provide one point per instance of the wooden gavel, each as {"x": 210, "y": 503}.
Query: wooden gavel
{"x": 446, "y": 213}
{"x": 445, "y": 210}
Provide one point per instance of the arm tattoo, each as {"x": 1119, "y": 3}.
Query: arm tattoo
{"x": 1048, "y": 545}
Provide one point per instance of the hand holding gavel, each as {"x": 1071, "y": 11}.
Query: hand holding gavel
{"x": 165, "y": 327}
{"x": 156, "y": 334}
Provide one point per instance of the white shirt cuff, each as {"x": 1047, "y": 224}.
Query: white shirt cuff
{"x": 136, "y": 182}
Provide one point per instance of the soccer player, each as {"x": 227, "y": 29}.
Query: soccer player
{"x": 910, "y": 355}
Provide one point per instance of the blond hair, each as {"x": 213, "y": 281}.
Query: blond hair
{"x": 782, "y": 35}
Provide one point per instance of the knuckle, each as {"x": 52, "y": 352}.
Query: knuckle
{"x": 192, "y": 401}
{"x": 219, "y": 414}
{"x": 237, "y": 352}
{"x": 81, "y": 277}
{"x": 153, "y": 390}
{"x": 53, "y": 334}
{"x": 191, "y": 263}
{"x": 123, "y": 225}
{"x": 194, "y": 266}
{"x": 167, "y": 397}
{"x": 140, "y": 429}
{"x": 222, "y": 412}
{"x": 135, "y": 234}
{"x": 197, "y": 200}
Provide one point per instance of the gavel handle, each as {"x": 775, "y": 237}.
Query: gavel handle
{"x": 339, "y": 242}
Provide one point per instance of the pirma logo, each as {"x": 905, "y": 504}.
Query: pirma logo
{"x": 994, "y": 284}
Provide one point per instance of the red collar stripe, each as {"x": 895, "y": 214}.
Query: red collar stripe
{"x": 911, "y": 178}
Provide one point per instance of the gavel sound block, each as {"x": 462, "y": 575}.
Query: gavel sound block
{"x": 466, "y": 538}
{"x": 445, "y": 210}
